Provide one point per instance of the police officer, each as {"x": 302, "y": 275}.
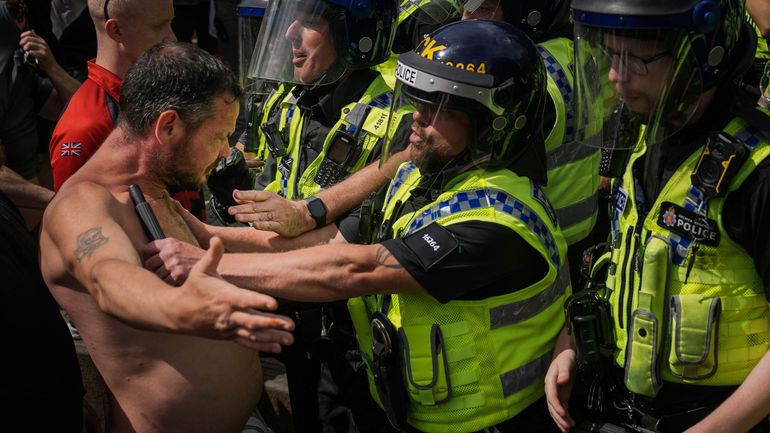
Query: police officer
{"x": 459, "y": 291}
{"x": 573, "y": 170}
{"x": 325, "y": 121}
{"x": 266, "y": 211}
{"x": 688, "y": 271}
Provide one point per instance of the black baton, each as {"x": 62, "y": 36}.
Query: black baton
{"x": 149, "y": 222}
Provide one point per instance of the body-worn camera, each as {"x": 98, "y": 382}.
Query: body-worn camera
{"x": 339, "y": 155}
{"x": 722, "y": 156}
{"x": 274, "y": 140}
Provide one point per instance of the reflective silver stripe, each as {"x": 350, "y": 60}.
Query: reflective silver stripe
{"x": 516, "y": 312}
{"x": 578, "y": 212}
{"x": 357, "y": 115}
{"x": 567, "y": 153}
{"x": 524, "y": 376}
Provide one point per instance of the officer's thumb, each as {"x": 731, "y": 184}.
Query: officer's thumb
{"x": 209, "y": 262}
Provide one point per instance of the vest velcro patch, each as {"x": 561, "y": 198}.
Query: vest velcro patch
{"x": 688, "y": 224}
{"x": 431, "y": 244}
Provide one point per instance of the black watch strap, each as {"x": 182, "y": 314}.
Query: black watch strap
{"x": 317, "y": 210}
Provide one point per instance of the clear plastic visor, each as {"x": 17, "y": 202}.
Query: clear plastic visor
{"x": 433, "y": 12}
{"x": 628, "y": 81}
{"x": 300, "y": 42}
{"x": 435, "y": 129}
{"x": 248, "y": 30}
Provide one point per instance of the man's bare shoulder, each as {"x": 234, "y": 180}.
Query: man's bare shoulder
{"x": 80, "y": 201}
{"x": 88, "y": 194}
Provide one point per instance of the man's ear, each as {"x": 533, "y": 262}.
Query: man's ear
{"x": 169, "y": 128}
{"x": 112, "y": 27}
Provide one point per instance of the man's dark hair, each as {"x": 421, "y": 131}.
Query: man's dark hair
{"x": 174, "y": 76}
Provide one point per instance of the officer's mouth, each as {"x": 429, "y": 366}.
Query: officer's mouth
{"x": 298, "y": 57}
{"x": 415, "y": 138}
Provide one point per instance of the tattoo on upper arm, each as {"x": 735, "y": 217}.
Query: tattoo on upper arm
{"x": 383, "y": 256}
{"x": 88, "y": 242}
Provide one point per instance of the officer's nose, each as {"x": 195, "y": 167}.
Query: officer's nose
{"x": 618, "y": 70}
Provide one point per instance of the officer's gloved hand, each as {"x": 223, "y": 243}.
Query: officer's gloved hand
{"x": 230, "y": 173}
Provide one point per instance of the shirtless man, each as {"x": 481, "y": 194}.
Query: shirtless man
{"x": 178, "y": 107}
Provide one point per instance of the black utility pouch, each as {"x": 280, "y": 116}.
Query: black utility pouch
{"x": 386, "y": 368}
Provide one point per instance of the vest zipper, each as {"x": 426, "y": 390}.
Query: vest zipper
{"x": 635, "y": 264}
{"x": 623, "y": 271}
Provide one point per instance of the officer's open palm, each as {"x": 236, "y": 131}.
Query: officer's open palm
{"x": 558, "y": 387}
{"x": 209, "y": 306}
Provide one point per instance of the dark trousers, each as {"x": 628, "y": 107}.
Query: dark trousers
{"x": 327, "y": 378}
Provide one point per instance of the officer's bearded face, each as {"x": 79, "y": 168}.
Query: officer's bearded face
{"x": 313, "y": 51}
{"x": 437, "y": 137}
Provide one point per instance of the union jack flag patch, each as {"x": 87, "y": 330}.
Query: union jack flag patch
{"x": 70, "y": 149}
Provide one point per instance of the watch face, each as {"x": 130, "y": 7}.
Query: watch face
{"x": 317, "y": 210}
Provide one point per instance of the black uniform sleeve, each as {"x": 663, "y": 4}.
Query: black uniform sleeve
{"x": 746, "y": 215}
{"x": 479, "y": 260}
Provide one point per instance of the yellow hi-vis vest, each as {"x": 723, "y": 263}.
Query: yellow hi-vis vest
{"x": 473, "y": 364}
{"x": 706, "y": 325}
{"x": 366, "y": 119}
{"x": 573, "y": 168}
{"x": 274, "y": 99}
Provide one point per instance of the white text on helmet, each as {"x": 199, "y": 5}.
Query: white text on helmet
{"x": 406, "y": 74}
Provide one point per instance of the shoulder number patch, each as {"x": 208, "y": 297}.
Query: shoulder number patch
{"x": 430, "y": 244}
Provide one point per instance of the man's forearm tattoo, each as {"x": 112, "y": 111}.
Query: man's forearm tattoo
{"x": 88, "y": 242}
{"x": 383, "y": 255}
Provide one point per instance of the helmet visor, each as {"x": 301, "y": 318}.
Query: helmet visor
{"x": 629, "y": 79}
{"x": 434, "y": 12}
{"x": 437, "y": 130}
{"x": 300, "y": 43}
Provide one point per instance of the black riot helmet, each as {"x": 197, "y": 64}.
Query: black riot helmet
{"x": 660, "y": 56}
{"x": 540, "y": 19}
{"x": 492, "y": 72}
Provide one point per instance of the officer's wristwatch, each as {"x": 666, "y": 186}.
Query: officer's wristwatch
{"x": 317, "y": 210}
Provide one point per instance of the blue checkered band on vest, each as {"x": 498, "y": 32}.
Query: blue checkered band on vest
{"x": 557, "y": 74}
{"x": 501, "y": 202}
{"x": 382, "y": 100}
{"x": 401, "y": 176}
{"x": 695, "y": 202}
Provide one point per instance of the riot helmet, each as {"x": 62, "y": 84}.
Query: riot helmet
{"x": 314, "y": 42}
{"x": 540, "y": 19}
{"x": 652, "y": 63}
{"x": 419, "y": 18}
{"x": 486, "y": 77}
{"x": 432, "y": 11}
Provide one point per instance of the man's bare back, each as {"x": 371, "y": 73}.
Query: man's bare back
{"x": 147, "y": 337}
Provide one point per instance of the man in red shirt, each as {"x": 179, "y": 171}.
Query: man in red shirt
{"x": 124, "y": 30}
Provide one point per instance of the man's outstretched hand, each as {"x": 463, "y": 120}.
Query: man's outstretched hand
{"x": 206, "y": 305}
